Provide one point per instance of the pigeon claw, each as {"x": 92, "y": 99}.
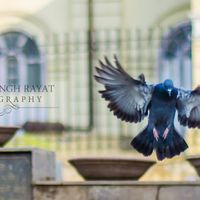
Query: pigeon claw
{"x": 165, "y": 134}
{"x": 155, "y": 134}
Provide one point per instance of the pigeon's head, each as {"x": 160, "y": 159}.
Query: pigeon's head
{"x": 169, "y": 86}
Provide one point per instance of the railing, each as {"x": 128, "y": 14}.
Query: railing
{"x": 68, "y": 64}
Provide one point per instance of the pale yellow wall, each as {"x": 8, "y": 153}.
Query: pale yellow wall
{"x": 24, "y": 15}
{"x": 59, "y": 16}
{"x": 37, "y": 17}
{"x": 144, "y": 14}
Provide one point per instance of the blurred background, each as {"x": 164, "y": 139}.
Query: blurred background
{"x": 58, "y": 42}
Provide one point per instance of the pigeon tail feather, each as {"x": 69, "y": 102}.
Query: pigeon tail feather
{"x": 173, "y": 145}
{"x": 144, "y": 142}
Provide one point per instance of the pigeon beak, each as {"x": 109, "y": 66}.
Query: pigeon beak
{"x": 170, "y": 92}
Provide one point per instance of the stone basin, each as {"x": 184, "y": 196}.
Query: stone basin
{"x": 195, "y": 162}
{"x": 111, "y": 168}
{"x": 6, "y": 133}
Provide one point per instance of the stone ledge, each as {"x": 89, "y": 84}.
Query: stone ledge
{"x": 116, "y": 183}
{"x": 116, "y": 190}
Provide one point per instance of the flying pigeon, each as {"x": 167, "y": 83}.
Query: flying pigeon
{"x": 131, "y": 100}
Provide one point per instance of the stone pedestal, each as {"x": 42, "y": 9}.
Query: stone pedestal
{"x": 117, "y": 190}
{"x": 20, "y": 167}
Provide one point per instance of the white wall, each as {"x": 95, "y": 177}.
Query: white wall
{"x": 51, "y": 17}
{"x": 144, "y": 14}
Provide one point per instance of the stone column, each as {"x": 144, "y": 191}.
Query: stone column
{"x": 19, "y": 168}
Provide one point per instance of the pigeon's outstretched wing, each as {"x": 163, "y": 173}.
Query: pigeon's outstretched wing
{"x": 188, "y": 106}
{"x": 128, "y": 98}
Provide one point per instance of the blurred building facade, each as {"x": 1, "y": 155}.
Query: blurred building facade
{"x": 58, "y": 42}
{"x": 47, "y": 42}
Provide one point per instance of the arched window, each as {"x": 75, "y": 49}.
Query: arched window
{"x": 175, "y": 55}
{"x": 21, "y": 57}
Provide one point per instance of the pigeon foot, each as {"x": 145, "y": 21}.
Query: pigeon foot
{"x": 155, "y": 134}
{"x": 165, "y": 134}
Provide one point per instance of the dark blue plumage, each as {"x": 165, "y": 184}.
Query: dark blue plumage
{"x": 132, "y": 99}
{"x": 165, "y": 139}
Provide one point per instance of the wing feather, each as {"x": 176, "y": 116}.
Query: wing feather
{"x": 128, "y": 98}
{"x": 188, "y": 107}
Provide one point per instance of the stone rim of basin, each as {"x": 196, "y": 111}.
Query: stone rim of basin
{"x": 10, "y": 127}
{"x": 106, "y": 158}
{"x": 193, "y": 157}
{"x": 111, "y": 168}
{"x": 6, "y": 133}
{"x": 194, "y": 160}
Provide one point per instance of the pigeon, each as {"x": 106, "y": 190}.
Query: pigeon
{"x": 131, "y": 100}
